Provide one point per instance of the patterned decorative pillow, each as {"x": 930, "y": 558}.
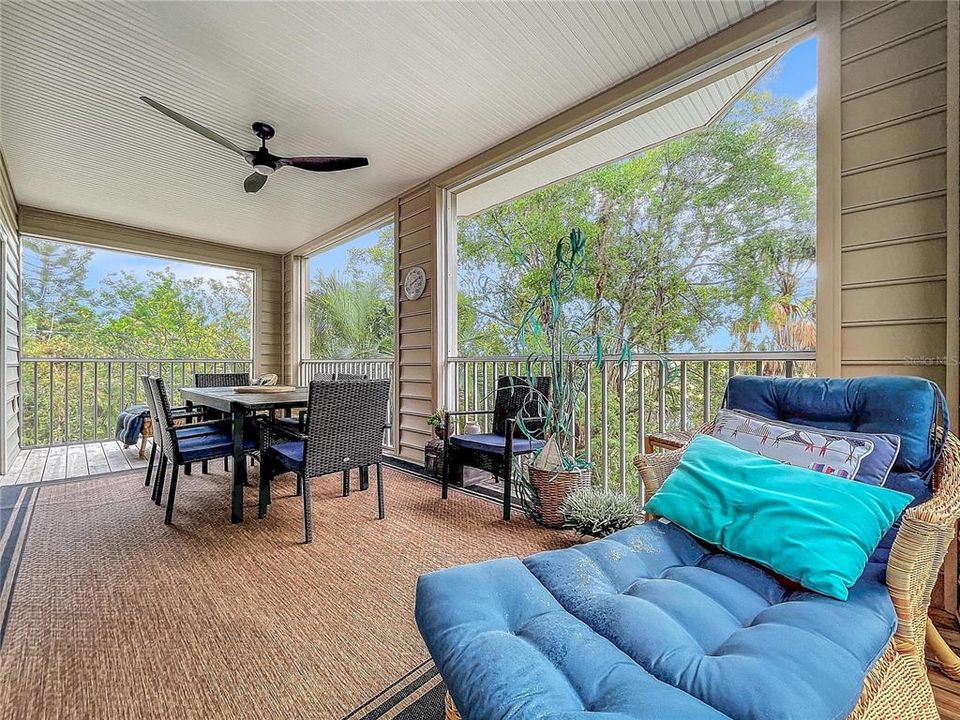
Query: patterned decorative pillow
{"x": 857, "y": 456}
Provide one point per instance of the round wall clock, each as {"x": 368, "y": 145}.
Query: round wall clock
{"x": 414, "y": 283}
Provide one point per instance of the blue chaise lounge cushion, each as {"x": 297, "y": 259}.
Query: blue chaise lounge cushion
{"x": 649, "y": 623}
{"x": 910, "y": 407}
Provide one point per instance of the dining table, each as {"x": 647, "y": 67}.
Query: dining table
{"x": 239, "y": 406}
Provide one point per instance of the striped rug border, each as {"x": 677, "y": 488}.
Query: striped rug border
{"x": 402, "y": 695}
{"x": 17, "y": 503}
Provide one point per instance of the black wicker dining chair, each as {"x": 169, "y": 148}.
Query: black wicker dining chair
{"x": 215, "y": 379}
{"x": 232, "y": 379}
{"x": 345, "y": 424}
{"x": 495, "y": 451}
{"x": 156, "y": 465}
{"x": 179, "y": 450}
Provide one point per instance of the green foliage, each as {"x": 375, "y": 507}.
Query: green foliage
{"x": 157, "y": 316}
{"x": 713, "y": 231}
{"x": 599, "y": 513}
{"x": 351, "y": 315}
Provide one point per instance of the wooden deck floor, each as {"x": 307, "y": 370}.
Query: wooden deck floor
{"x": 47, "y": 464}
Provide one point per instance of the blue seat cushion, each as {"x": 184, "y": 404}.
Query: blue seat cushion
{"x": 649, "y": 623}
{"x": 489, "y": 442}
{"x": 185, "y": 431}
{"x": 290, "y": 422}
{"x": 211, "y": 446}
{"x": 288, "y": 454}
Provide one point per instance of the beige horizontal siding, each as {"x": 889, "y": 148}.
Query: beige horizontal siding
{"x": 893, "y": 188}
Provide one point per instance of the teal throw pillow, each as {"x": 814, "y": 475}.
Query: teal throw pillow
{"x": 816, "y": 529}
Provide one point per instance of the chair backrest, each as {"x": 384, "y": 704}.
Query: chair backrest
{"x": 516, "y": 397}
{"x": 164, "y": 418}
{"x": 323, "y": 376}
{"x": 237, "y": 379}
{"x": 152, "y": 406}
{"x": 347, "y": 419}
{"x": 349, "y": 376}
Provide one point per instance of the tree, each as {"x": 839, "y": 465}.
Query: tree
{"x": 351, "y": 314}
{"x": 711, "y": 231}
{"x": 56, "y": 311}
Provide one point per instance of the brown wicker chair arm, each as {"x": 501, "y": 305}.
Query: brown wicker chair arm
{"x": 926, "y": 532}
{"x": 654, "y": 469}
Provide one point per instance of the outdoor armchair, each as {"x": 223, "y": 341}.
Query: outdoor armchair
{"x": 496, "y": 450}
{"x": 344, "y": 430}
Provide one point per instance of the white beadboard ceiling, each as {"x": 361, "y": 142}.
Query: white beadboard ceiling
{"x": 676, "y": 117}
{"x": 415, "y": 86}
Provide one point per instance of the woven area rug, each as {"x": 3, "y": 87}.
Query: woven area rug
{"x": 111, "y": 614}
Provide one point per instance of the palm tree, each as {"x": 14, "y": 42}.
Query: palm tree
{"x": 349, "y": 319}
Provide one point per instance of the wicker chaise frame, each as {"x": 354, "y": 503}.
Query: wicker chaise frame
{"x": 897, "y": 687}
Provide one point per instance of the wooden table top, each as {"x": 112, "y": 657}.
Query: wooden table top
{"x": 226, "y": 399}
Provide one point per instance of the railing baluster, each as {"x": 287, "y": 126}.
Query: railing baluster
{"x": 66, "y": 400}
{"x": 588, "y": 409}
{"x": 83, "y": 389}
{"x": 604, "y": 425}
{"x": 683, "y": 395}
{"x": 641, "y": 409}
{"x": 662, "y": 409}
{"x": 623, "y": 428}
{"x": 707, "y": 399}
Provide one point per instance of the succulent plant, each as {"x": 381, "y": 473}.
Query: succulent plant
{"x": 598, "y": 512}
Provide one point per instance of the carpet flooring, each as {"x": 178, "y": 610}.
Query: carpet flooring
{"x": 114, "y": 615}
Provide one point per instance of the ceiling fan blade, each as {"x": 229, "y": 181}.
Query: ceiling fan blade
{"x": 254, "y": 182}
{"x": 197, "y": 127}
{"x": 324, "y": 164}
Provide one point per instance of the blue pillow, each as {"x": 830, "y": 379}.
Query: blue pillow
{"x": 815, "y": 529}
{"x": 865, "y": 457}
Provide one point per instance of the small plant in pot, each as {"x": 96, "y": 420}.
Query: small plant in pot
{"x": 551, "y": 330}
{"x": 436, "y": 422}
{"x": 598, "y": 513}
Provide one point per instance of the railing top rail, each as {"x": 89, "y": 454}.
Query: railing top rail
{"x": 348, "y": 360}
{"x": 688, "y": 356}
{"x": 135, "y": 360}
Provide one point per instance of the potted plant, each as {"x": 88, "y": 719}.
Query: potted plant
{"x": 598, "y": 513}
{"x": 551, "y": 329}
{"x": 436, "y": 422}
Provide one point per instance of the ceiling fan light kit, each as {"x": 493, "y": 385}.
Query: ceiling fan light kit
{"x": 263, "y": 162}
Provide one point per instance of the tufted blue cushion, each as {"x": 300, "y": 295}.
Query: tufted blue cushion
{"x": 906, "y": 406}
{"x": 488, "y": 442}
{"x": 648, "y": 623}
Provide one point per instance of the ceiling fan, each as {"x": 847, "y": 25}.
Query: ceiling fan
{"x": 264, "y": 162}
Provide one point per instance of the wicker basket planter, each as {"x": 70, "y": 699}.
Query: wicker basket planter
{"x": 553, "y": 486}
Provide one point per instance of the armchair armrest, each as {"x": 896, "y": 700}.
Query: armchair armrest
{"x": 272, "y": 432}
{"x": 655, "y": 467}
{"x": 459, "y": 413}
{"x": 926, "y": 532}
